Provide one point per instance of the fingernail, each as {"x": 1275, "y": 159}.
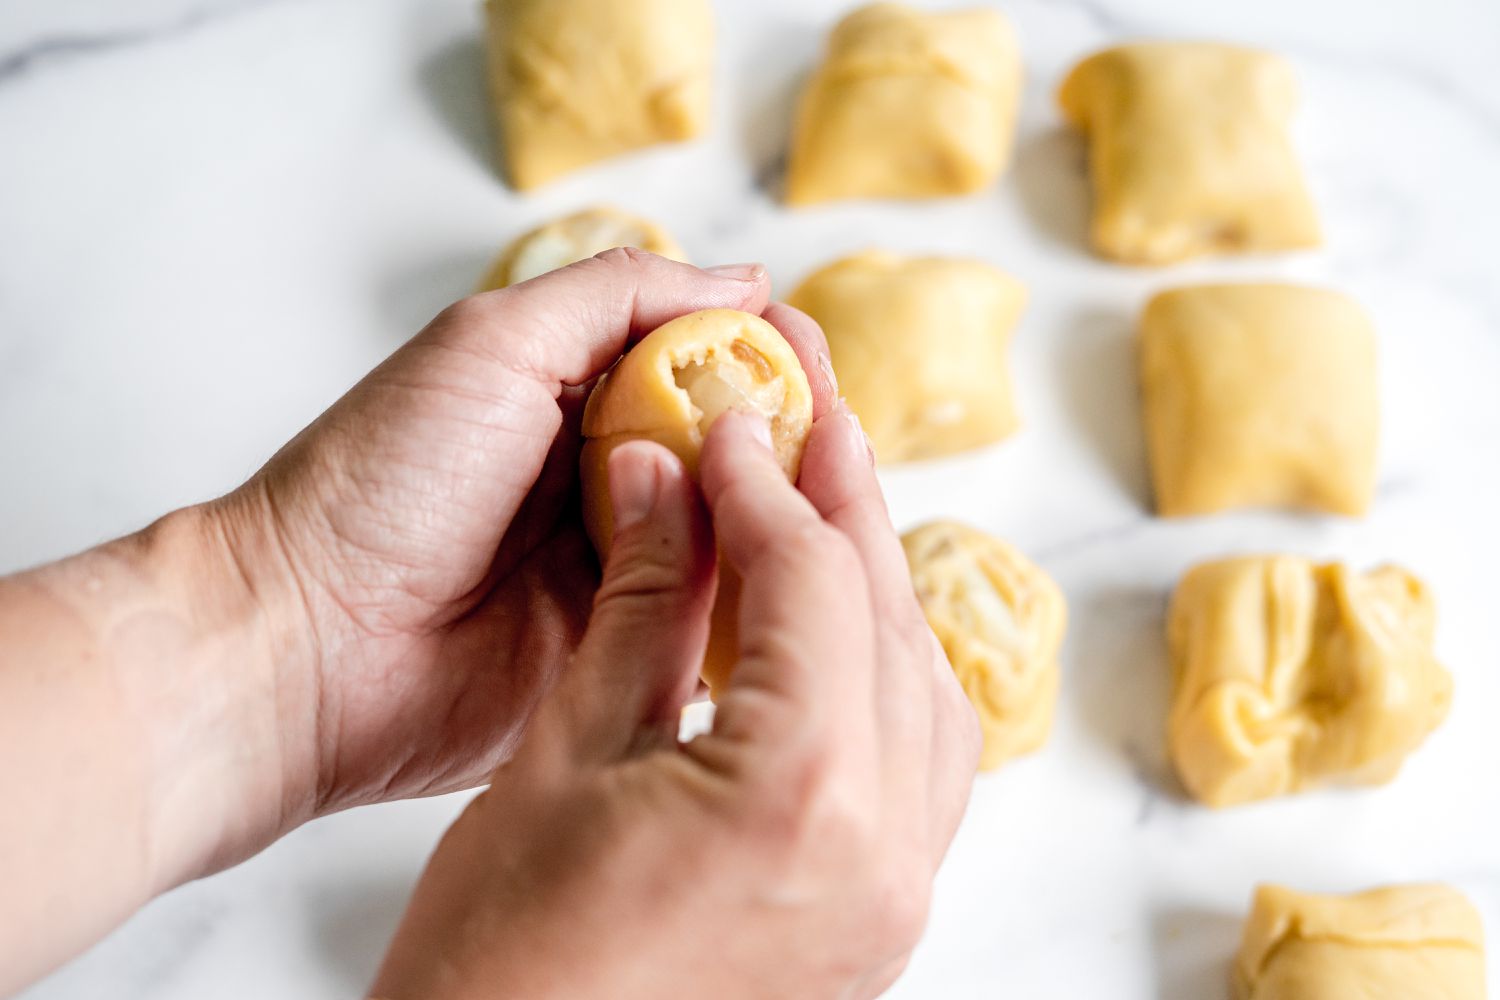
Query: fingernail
{"x": 825, "y": 367}
{"x": 633, "y": 488}
{"x": 739, "y": 272}
{"x": 859, "y": 431}
{"x": 760, "y": 428}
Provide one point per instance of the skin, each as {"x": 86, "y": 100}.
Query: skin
{"x": 402, "y": 602}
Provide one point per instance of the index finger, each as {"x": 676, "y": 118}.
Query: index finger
{"x": 568, "y": 326}
{"x": 808, "y": 341}
{"x": 806, "y": 633}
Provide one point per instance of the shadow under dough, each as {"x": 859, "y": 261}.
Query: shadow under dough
{"x": 1122, "y": 681}
{"x": 455, "y": 82}
{"x": 1097, "y": 378}
{"x": 1051, "y": 174}
{"x": 1194, "y": 949}
{"x": 782, "y": 61}
{"x": 354, "y": 926}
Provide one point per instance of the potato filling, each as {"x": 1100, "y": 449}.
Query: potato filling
{"x": 981, "y": 609}
{"x": 742, "y": 380}
{"x": 581, "y": 237}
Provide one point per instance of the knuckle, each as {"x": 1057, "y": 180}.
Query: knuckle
{"x": 742, "y": 497}
{"x": 626, "y": 257}
{"x": 644, "y": 570}
{"x": 783, "y": 552}
{"x": 817, "y": 549}
{"x": 491, "y": 327}
{"x": 466, "y": 312}
{"x": 743, "y": 711}
{"x": 807, "y": 811}
{"x": 616, "y": 256}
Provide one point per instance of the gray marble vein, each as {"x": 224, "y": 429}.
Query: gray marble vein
{"x": 1074, "y": 544}
{"x": 1104, "y": 18}
{"x": 18, "y": 62}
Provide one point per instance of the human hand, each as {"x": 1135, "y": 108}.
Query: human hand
{"x": 789, "y": 852}
{"x": 421, "y": 537}
{"x": 373, "y": 615}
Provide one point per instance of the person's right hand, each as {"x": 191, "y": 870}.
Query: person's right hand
{"x": 790, "y": 851}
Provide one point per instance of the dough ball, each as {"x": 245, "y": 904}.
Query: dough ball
{"x": 1000, "y": 619}
{"x": 1259, "y": 396}
{"x": 670, "y": 388}
{"x": 1289, "y": 674}
{"x": 1406, "y": 942}
{"x": 907, "y": 104}
{"x": 920, "y": 346}
{"x": 1189, "y": 152}
{"x": 577, "y": 81}
{"x": 573, "y": 238}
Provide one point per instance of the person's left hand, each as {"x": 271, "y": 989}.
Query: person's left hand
{"x": 374, "y": 615}
{"x": 417, "y": 548}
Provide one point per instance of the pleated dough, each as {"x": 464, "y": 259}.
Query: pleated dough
{"x": 920, "y": 347}
{"x": 1289, "y": 674}
{"x": 670, "y": 388}
{"x": 573, "y": 238}
{"x": 907, "y": 104}
{"x": 1259, "y": 396}
{"x": 577, "y": 81}
{"x": 1189, "y": 152}
{"x": 1000, "y": 619}
{"x": 1406, "y": 942}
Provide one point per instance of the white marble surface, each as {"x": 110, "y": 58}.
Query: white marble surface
{"x": 216, "y": 214}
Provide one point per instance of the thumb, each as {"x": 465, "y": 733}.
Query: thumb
{"x": 639, "y": 660}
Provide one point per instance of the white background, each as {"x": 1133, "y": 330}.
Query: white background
{"x": 215, "y": 216}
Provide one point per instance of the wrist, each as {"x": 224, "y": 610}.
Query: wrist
{"x": 141, "y": 696}
{"x": 204, "y": 670}
{"x": 258, "y": 667}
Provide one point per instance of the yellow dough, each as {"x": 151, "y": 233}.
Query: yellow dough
{"x": 576, "y": 81}
{"x": 1259, "y": 396}
{"x": 573, "y": 238}
{"x": 920, "y": 347}
{"x": 1189, "y": 152}
{"x": 907, "y": 104}
{"x": 669, "y": 389}
{"x": 1000, "y": 619}
{"x": 1289, "y": 674}
{"x": 1406, "y": 942}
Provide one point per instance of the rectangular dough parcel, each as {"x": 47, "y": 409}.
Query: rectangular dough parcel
{"x": 1288, "y": 674}
{"x": 1259, "y": 396}
{"x": 577, "y": 81}
{"x": 907, "y": 104}
{"x": 921, "y": 348}
{"x": 1189, "y": 152}
{"x": 1404, "y": 942}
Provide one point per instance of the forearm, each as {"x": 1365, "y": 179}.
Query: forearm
{"x": 138, "y": 723}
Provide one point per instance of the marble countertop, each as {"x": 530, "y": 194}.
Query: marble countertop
{"x": 215, "y": 215}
